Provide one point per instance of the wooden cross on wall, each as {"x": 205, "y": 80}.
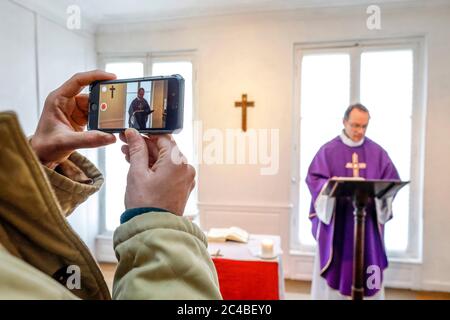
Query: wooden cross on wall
{"x": 112, "y": 91}
{"x": 244, "y": 104}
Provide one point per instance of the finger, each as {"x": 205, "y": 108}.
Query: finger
{"x": 163, "y": 142}
{"x": 152, "y": 150}
{"x": 162, "y": 150}
{"x": 80, "y": 112}
{"x": 74, "y": 85}
{"x": 88, "y": 139}
{"x": 177, "y": 157}
{"x": 192, "y": 171}
{"x": 126, "y": 151}
{"x": 152, "y": 137}
{"x": 122, "y": 136}
{"x": 137, "y": 150}
{"x": 82, "y": 102}
{"x": 162, "y": 139}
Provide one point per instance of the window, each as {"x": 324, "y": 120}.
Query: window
{"x": 112, "y": 161}
{"x": 320, "y": 110}
{"x": 383, "y": 78}
{"x": 390, "y": 101}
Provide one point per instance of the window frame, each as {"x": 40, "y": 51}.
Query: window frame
{"x": 355, "y": 48}
{"x": 147, "y": 59}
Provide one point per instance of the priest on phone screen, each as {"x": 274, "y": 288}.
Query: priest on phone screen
{"x": 351, "y": 154}
{"x": 139, "y": 111}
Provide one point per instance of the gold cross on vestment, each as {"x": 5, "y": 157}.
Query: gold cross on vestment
{"x": 355, "y": 165}
{"x": 244, "y": 104}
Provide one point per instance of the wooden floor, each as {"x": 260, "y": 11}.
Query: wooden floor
{"x": 108, "y": 270}
{"x": 300, "y": 290}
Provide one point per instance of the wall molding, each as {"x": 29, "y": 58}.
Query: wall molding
{"x": 434, "y": 285}
{"x": 254, "y": 207}
{"x": 402, "y": 275}
{"x": 282, "y": 14}
{"x": 104, "y": 249}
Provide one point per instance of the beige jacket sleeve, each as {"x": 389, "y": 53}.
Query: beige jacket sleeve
{"x": 163, "y": 256}
{"x": 74, "y": 181}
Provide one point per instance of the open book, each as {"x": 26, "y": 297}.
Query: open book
{"x": 224, "y": 234}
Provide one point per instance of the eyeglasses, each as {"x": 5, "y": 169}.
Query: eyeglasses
{"x": 358, "y": 126}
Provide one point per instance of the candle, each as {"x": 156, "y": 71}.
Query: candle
{"x": 267, "y": 248}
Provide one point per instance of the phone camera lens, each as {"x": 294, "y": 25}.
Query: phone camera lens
{"x": 94, "y": 107}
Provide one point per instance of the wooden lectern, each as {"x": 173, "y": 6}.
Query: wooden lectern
{"x": 360, "y": 190}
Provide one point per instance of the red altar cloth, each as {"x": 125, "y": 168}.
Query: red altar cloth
{"x": 248, "y": 280}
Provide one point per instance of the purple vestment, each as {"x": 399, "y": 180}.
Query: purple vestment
{"x": 335, "y": 240}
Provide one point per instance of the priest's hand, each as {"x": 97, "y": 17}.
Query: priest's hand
{"x": 159, "y": 176}
{"x": 60, "y": 129}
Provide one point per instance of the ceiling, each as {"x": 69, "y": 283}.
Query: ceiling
{"x": 99, "y": 12}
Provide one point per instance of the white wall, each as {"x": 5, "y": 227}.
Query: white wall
{"x": 37, "y": 55}
{"x": 254, "y": 54}
{"x": 18, "y": 89}
{"x": 61, "y": 54}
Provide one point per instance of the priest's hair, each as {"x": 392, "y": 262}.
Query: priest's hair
{"x": 358, "y": 106}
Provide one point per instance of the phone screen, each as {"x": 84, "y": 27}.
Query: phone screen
{"x": 140, "y": 105}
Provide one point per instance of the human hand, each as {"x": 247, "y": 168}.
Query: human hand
{"x": 60, "y": 129}
{"x": 159, "y": 175}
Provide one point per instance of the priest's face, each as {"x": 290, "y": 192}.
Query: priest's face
{"x": 141, "y": 93}
{"x": 356, "y": 125}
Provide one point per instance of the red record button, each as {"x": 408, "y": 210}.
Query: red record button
{"x": 103, "y": 106}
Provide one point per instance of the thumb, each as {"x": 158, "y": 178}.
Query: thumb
{"x": 137, "y": 149}
{"x": 165, "y": 145}
{"x": 88, "y": 139}
{"x": 163, "y": 142}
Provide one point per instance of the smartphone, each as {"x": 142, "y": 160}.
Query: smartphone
{"x": 150, "y": 105}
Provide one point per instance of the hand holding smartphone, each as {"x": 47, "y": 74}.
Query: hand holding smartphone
{"x": 152, "y": 105}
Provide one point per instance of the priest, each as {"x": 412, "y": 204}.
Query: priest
{"x": 350, "y": 154}
{"x": 139, "y": 111}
